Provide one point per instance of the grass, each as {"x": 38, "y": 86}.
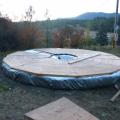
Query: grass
{"x": 3, "y": 87}
{"x": 3, "y": 54}
{"x": 108, "y": 49}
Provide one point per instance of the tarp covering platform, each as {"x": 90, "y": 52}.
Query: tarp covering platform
{"x": 63, "y": 68}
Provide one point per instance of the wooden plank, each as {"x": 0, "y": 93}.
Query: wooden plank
{"x": 83, "y": 58}
{"x": 62, "y": 109}
{"x": 115, "y": 96}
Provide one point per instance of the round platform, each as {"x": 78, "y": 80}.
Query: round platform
{"x": 65, "y": 63}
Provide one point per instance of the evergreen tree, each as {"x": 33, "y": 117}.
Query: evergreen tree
{"x": 7, "y": 35}
{"x": 101, "y": 38}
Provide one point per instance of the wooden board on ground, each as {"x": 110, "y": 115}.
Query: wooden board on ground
{"x": 40, "y": 62}
{"x": 62, "y": 109}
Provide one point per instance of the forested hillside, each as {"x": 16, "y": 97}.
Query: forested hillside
{"x": 54, "y": 33}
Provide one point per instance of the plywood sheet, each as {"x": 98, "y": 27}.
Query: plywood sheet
{"x": 62, "y": 109}
{"x": 40, "y": 62}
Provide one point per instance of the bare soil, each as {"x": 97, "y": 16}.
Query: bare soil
{"x": 16, "y": 99}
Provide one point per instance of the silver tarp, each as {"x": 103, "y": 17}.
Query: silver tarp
{"x": 59, "y": 82}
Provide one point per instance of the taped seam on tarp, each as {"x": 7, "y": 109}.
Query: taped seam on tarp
{"x": 59, "y": 82}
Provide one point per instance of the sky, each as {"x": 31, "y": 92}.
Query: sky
{"x": 15, "y": 9}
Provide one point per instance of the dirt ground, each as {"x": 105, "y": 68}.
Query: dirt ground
{"x": 16, "y": 99}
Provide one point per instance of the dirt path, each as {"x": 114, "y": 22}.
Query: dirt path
{"x": 17, "y": 99}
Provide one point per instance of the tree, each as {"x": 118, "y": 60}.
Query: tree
{"x": 29, "y": 13}
{"x": 29, "y": 36}
{"x": 101, "y": 38}
{"x": 77, "y": 39}
{"x": 8, "y": 39}
{"x": 47, "y": 16}
{"x": 87, "y": 38}
{"x": 63, "y": 37}
{"x": 68, "y": 37}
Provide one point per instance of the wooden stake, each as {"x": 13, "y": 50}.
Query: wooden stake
{"x": 82, "y": 59}
{"x": 115, "y": 96}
